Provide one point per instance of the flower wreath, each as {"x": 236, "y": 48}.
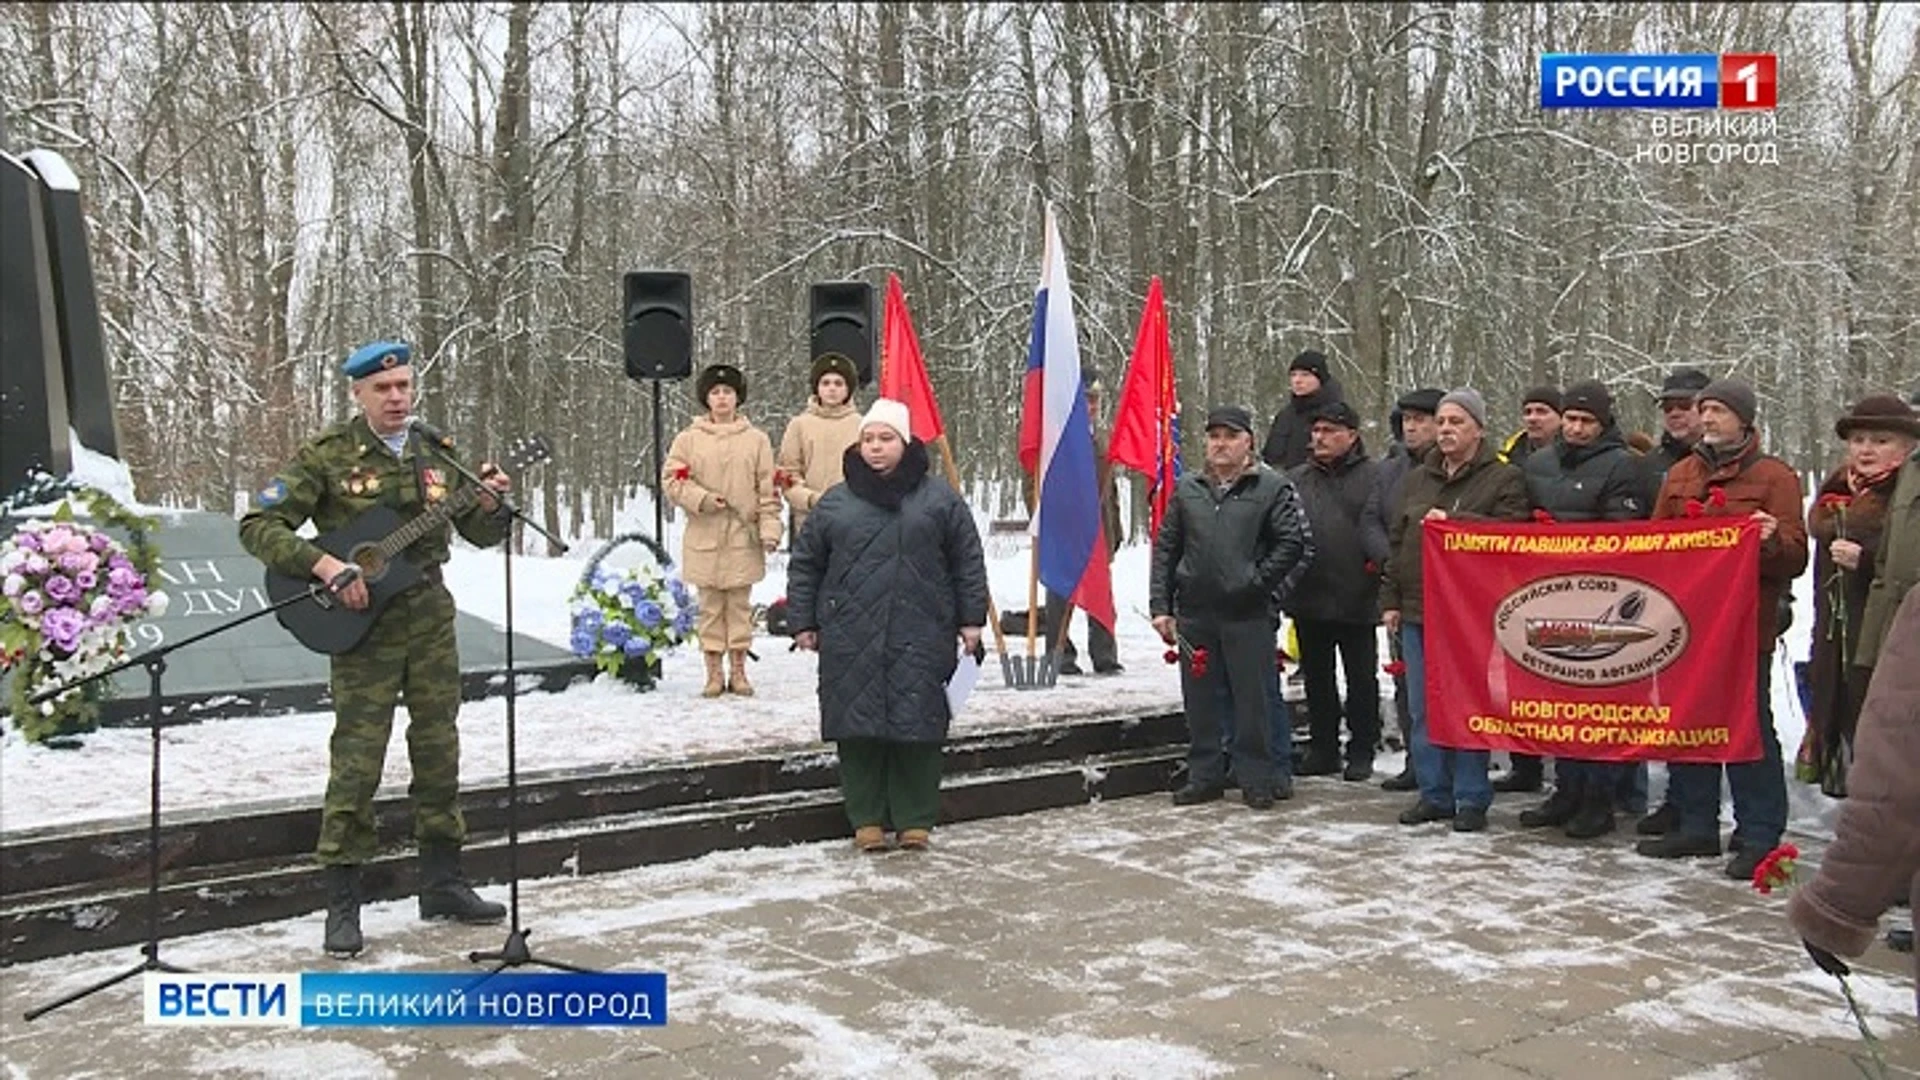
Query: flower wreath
{"x": 625, "y": 619}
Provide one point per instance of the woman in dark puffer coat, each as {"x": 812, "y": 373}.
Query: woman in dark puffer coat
{"x": 887, "y": 582}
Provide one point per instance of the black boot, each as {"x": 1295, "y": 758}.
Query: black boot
{"x": 1560, "y": 808}
{"x": 1194, "y": 794}
{"x": 1596, "y": 814}
{"x": 444, "y": 892}
{"x": 1659, "y": 823}
{"x": 1403, "y": 781}
{"x": 343, "y": 912}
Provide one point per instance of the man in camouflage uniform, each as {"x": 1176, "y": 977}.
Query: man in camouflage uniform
{"x": 375, "y": 460}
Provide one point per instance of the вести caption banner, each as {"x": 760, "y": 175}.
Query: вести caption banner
{"x": 1626, "y": 642}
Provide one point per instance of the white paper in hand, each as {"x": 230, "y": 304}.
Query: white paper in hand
{"x": 965, "y": 674}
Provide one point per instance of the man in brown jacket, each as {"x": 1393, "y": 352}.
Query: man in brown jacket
{"x": 720, "y": 471}
{"x": 816, "y": 441}
{"x": 1728, "y": 476}
{"x": 1875, "y": 853}
{"x": 1462, "y": 478}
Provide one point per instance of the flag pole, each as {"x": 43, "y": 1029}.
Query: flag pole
{"x": 993, "y": 611}
{"x": 1034, "y": 614}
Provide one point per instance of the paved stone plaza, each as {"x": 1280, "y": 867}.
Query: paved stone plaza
{"x": 1122, "y": 939}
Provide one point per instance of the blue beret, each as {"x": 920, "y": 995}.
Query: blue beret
{"x": 378, "y": 356}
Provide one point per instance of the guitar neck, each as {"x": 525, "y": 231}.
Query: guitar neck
{"x": 437, "y": 516}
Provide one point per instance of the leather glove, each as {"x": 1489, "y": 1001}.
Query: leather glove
{"x": 1826, "y": 961}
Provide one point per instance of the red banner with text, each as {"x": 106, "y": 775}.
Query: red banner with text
{"x": 1620, "y": 642}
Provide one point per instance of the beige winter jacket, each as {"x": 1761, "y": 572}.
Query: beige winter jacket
{"x": 812, "y": 452}
{"x": 710, "y": 462}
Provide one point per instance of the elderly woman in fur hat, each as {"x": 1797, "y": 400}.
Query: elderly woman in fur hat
{"x": 720, "y": 471}
{"x": 815, "y": 441}
{"x": 1846, "y": 522}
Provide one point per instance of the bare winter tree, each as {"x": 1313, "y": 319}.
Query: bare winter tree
{"x": 270, "y": 186}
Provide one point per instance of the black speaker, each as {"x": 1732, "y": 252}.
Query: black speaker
{"x": 657, "y": 324}
{"x": 840, "y": 315}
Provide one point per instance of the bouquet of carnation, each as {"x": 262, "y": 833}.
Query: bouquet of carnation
{"x": 624, "y": 619}
{"x": 68, "y": 591}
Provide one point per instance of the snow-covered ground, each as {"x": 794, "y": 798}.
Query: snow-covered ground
{"x": 251, "y": 759}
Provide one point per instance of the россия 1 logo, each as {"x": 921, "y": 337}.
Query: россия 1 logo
{"x": 1659, "y": 81}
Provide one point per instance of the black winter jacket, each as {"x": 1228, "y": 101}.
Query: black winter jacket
{"x": 1654, "y": 466}
{"x": 1289, "y": 440}
{"x": 1226, "y": 557}
{"x": 1342, "y": 501}
{"x": 888, "y": 570}
{"x": 1597, "y": 482}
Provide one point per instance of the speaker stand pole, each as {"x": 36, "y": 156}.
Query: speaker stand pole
{"x": 659, "y": 466}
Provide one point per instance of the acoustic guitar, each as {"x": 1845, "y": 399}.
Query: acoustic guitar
{"x": 376, "y": 542}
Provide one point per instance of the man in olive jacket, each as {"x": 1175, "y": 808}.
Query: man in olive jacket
{"x": 1462, "y": 478}
{"x": 1896, "y": 566}
{"x": 1232, "y": 534}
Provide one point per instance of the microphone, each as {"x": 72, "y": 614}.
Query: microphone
{"x": 430, "y": 433}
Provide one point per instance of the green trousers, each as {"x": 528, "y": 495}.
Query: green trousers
{"x": 408, "y": 656}
{"x": 893, "y": 784}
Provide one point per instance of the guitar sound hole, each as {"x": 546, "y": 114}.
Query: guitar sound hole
{"x": 371, "y": 565}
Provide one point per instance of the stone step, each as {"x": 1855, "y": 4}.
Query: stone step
{"x": 72, "y": 890}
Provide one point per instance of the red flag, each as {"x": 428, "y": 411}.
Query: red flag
{"x": 1146, "y": 432}
{"x": 903, "y": 372}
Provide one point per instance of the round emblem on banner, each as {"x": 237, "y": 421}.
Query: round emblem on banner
{"x": 1591, "y": 629}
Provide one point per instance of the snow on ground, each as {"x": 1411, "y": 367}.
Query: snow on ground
{"x": 1126, "y": 938}
{"x": 252, "y": 759}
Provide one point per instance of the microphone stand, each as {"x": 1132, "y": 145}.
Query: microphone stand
{"x": 155, "y": 661}
{"x": 515, "y": 952}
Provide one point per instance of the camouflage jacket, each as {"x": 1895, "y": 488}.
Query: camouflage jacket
{"x": 339, "y": 474}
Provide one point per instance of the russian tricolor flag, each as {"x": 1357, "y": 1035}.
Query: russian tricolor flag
{"x": 1056, "y": 444}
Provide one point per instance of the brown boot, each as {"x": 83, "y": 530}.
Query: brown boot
{"x": 870, "y": 838}
{"x": 737, "y": 679}
{"x": 716, "y": 680}
{"x": 913, "y": 840}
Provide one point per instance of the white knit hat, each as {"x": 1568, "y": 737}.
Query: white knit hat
{"x": 891, "y": 413}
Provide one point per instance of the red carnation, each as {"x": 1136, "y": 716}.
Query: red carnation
{"x": 1775, "y": 869}
{"x": 1172, "y": 656}
{"x": 1396, "y": 668}
{"x": 1835, "y": 500}
{"x": 1695, "y": 508}
{"x": 682, "y": 473}
{"x": 1717, "y": 498}
{"x": 1199, "y": 664}
{"x": 1544, "y": 518}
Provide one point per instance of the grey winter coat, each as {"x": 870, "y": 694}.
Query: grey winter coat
{"x": 888, "y": 569}
{"x": 1350, "y": 535}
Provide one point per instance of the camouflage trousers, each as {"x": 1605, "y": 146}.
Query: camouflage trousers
{"x": 725, "y": 621}
{"x": 408, "y": 657}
